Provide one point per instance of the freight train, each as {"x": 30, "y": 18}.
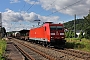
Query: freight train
{"x": 22, "y": 34}
{"x": 48, "y": 34}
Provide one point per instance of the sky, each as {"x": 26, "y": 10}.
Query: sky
{"x": 20, "y": 14}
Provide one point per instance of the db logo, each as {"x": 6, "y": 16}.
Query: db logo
{"x": 57, "y": 33}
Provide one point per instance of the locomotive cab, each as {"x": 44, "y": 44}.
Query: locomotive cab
{"x": 56, "y": 32}
{"x": 57, "y": 35}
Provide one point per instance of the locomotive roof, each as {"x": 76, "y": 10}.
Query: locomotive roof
{"x": 50, "y": 24}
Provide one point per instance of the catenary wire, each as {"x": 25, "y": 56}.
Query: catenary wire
{"x": 31, "y": 6}
{"x": 65, "y": 7}
{"x": 23, "y": 6}
{"x": 48, "y": 6}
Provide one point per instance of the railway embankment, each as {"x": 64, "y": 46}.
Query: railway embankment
{"x": 2, "y": 48}
{"x": 11, "y": 52}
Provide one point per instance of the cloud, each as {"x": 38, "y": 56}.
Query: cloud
{"x": 10, "y": 15}
{"x": 30, "y": 16}
{"x": 70, "y": 7}
{"x": 14, "y": 1}
{"x": 54, "y": 19}
{"x": 21, "y": 20}
{"x": 31, "y": 2}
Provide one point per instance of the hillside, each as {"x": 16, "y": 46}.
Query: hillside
{"x": 79, "y": 24}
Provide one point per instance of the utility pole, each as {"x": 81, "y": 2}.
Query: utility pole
{"x": 89, "y": 11}
{"x": 0, "y": 25}
{"x": 75, "y": 27}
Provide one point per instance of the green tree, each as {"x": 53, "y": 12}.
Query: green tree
{"x": 87, "y": 26}
{"x": 81, "y": 35}
{"x": 72, "y": 34}
{"x": 3, "y": 32}
{"x": 87, "y": 33}
{"x": 67, "y": 34}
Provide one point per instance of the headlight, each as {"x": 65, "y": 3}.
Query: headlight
{"x": 61, "y": 33}
{"x": 62, "y": 37}
{"x": 52, "y": 33}
{"x": 51, "y": 37}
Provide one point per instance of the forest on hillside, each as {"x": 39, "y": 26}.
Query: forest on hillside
{"x": 81, "y": 24}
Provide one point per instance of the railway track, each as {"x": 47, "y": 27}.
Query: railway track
{"x": 57, "y": 54}
{"x": 76, "y": 53}
{"x": 72, "y": 52}
{"x": 24, "y": 53}
{"x": 32, "y": 53}
{"x": 83, "y": 55}
{"x": 12, "y": 53}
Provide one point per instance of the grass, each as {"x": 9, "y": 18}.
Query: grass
{"x": 2, "y": 48}
{"x": 75, "y": 43}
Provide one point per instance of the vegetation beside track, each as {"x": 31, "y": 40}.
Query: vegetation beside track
{"x": 75, "y": 43}
{"x": 2, "y": 48}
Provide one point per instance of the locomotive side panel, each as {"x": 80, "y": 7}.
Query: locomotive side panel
{"x": 38, "y": 34}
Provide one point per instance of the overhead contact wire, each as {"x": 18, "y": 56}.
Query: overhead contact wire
{"x": 65, "y": 7}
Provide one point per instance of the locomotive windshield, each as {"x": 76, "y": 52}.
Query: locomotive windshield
{"x": 56, "y": 27}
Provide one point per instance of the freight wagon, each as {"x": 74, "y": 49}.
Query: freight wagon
{"x": 24, "y": 34}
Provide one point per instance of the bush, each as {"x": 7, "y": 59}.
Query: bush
{"x": 87, "y": 33}
{"x": 81, "y": 35}
{"x": 69, "y": 34}
{"x": 75, "y": 43}
{"x": 2, "y": 48}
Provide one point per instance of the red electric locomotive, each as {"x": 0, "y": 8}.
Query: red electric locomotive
{"x": 48, "y": 34}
